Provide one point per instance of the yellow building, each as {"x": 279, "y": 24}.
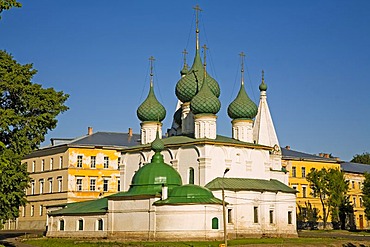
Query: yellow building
{"x": 298, "y": 165}
{"x": 72, "y": 170}
{"x": 354, "y": 174}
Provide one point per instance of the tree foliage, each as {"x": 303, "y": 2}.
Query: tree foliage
{"x": 8, "y": 4}
{"x": 362, "y": 158}
{"x": 366, "y": 195}
{"x": 27, "y": 113}
{"x": 331, "y": 188}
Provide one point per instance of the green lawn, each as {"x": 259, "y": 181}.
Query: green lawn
{"x": 53, "y": 242}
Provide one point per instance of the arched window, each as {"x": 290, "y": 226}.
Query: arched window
{"x": 215, "y": 223}
{"x": 80, "y": 225}
{"x": 100, "y": 225}
{"x": 61, "y": 225}
{"x": 191, "y": 175}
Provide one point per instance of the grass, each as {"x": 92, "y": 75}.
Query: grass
{"x": 56, "y": 242}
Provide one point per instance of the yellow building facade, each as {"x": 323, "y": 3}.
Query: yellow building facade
{"x": 354, "y": 174}
{"x": 74, "y": 170}
{"x": 298, "y": 165}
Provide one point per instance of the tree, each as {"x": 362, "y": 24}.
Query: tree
{"x": 331, "y": 188}
{"x": 8, "y": 4}
{"x": 27, "y": 113}
{"x": 362, "y": 158}
{"x": 366, "y": 195}
{"x": 13, "y": 181}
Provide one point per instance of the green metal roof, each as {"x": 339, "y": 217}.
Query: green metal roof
{"x": 99, "y": 206}
{"x": 205, "y": 101}
{"x": 186, "y": 140}
{"x": 189, "y": 194}
{"x": 151, "y": 109}
{"x": 249, "y": 184}
{"x": 242, "y": 106}
{"x": 188, "y": 86}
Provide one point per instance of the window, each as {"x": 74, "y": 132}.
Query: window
{"x": 303, "y": 172}
{"x": 100, "y": 225}
{"x": 80, "y": 224}
{"x": 229, "y": 215}
{"x": 93, "y": 161}
{"x": 33, "y": 166}
{"x": 106, "y": 162}
{"x": 32, "y": 187}
{"x": 79, "y": 161}
{"x": 294, "y": 171}
{"x": 41, "y": 210}
{"x": 361, "y": 202}
{"x": 353, "y": 184}
{"x": 255, "y": 214}
{"x": 105, "y": 185}
{"x": 51, "y": 163}
{"x": 61, "y": 225}
{"x": 50, "y": 180}
{"x": 294, "y": 187}
{"x": 359, "y": 185}
{"x": 79, "y": 184}
{"x": 60, "y": 184}
{"x": 32, "y": 210}
{"x": 191, "y": 175}
{"x": 118, "y": 162}
{"x": 42, "y": 165}
{"x": 271, "y": 216}
{"x": 354, "y": 201}
{"x": 118, "y": 185}
{"x": 24, "y": 211}
{"x": 61, "y": 163}
{"x": 215, "y": 223}
{"x": 290, "y": 220}
{"x": 92, "y": 184}
{"x": 304, "y": 191}
{"x": 41, "y": 186}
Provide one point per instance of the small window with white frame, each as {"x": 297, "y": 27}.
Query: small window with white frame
{"x": 79, "y": 161}
{"x": 51, "y": 163}
{"x": 60, "y": 162}
{"x": 92, "y": 184}
{"x": 60, "y": 184}
{"x": 79, "y": 184}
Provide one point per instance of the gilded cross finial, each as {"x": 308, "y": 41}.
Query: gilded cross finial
{"x": 205, "y": 48}
{"x": 151, "y": 59}
{"x": 185, "y": 53}
{"x": 197, "y": 10}
{"x": 242, "y": 56}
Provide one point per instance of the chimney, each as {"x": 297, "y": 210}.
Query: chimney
{"x": 321, "y": 154}
{"x": 89, "y": 131}
{"x": 326, "y": 155}
{"x": 129, "y": 131}
{"x": 164, "y": 192}
{"x": 287, "y": 147}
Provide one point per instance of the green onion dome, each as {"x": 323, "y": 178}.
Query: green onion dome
{"x": 184, "y": 70}
{"x": 205, "y": 101}
{"x": 177, "y": 116}
{"x": 242, "y": 106}
{"x": 188, "y": 86}
{"x": 263, "y": 86}
{"x": 190, "y": 194}
{"x": 150, "y": 178}
{"x": 151, "y": 109}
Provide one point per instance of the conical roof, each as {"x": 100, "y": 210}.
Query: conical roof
{"x": 242, "y": 106}
{"x": 188, "y": 86}
{"x": 205, "y": 102}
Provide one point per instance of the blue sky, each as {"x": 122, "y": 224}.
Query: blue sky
{"x": 316, "y": 57}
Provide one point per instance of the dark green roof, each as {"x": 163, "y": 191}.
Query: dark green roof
{"x": 249, "y": 184}
{"x": 151, "y": 109}
{"x": 186, "y": 140}
{"x": 189, "y": 194}
{"x": 205, "y": 101}
{"x": 242, "y": 106}
{"x": 99, "y": 206}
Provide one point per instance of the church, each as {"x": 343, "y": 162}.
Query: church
{"x": 193, "y": 184}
